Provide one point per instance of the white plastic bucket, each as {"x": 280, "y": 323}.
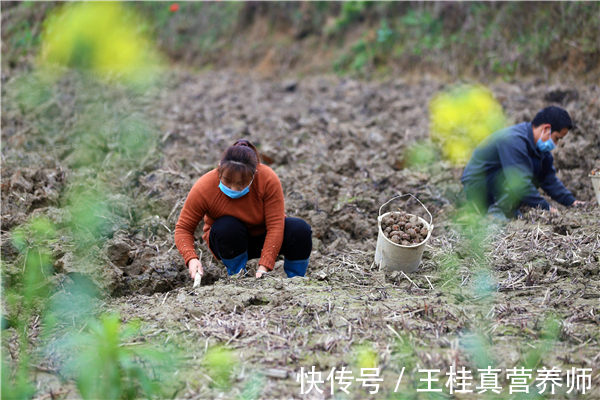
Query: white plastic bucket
{"x": 390, "y": 256}
{"x": 596, "y": 184}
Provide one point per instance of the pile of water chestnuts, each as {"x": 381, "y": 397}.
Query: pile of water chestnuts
{"x": 403, "y": 228}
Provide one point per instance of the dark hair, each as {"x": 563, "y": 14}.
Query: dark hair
{"x": 555, "y": 116}
{"x": 239, "y": 161}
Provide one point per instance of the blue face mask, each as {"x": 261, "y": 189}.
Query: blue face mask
{"x": 234, "y": 194}
{"x": 546, "y": 146}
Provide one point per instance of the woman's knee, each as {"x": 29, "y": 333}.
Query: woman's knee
{"x": 297, "y": 239}
{"x": 228, "y": 237}
{"x": 227, "y": 226}
{"x": 298, "y": 228}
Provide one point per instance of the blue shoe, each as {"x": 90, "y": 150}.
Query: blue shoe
{"x": 496, "y": 213}
{"x": 236, "y": 264}
{"x": 295, "y": 268}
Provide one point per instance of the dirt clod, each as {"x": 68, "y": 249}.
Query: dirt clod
{"x": 118, "y": 252}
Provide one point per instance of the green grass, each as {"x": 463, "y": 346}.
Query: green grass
{"x": 499, "y": 39}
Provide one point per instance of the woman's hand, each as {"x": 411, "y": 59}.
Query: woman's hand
{"x": 261, "y": 270}
{"x": 195, "y": 265}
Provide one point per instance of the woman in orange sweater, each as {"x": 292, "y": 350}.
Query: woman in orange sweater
{"x": 241, "y": 202}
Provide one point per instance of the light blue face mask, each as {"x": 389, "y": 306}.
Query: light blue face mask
{"x": 546, "y": 146}
{"x": 234, "y": 194}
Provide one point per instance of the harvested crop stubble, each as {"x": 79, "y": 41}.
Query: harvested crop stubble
{"x": 403, "y": 228}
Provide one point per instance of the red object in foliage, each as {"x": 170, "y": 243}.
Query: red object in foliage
{"x": 174, "y": 7}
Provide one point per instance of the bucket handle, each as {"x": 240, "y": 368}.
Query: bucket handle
{"x": 404, "y": 195}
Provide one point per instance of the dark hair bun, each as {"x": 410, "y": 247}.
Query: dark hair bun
{"x": 240, "y": 160}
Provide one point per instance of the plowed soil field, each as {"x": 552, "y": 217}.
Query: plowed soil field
{"x": 485, "y": 293}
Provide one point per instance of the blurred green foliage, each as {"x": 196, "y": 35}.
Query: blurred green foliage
{"x": 480, "y": 350}
{"x": 104, "y": 365}
{"x": 108, "y": 367}
{"x": 421, "y": 154}
{"x": 32, "y": 92}
{"x": 16, "y": 385}
{"x": 352, "y": 12}
{"x": 253, "y": 387}
{"x": 220, "y": 363}
{"x": 365, "y": 356}
{"x": 24, "y": 294}
{"x": 25, "y": 298}
{"x": 549, "y": 335}
{"x": 98, "y": 129}
{"x": 87, "y": 210}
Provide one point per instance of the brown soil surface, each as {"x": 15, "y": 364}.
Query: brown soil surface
{"x": 338, "y": 147}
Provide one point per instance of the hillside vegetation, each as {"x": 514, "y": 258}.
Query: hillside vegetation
{"x": 480, "y": 40}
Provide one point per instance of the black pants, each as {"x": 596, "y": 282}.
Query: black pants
{"x": 229, "y": 238}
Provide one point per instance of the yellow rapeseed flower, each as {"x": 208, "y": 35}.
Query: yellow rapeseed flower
{"x": 461, "y": 118}
{"x": 102, "y": 37}
{"x": 366, "y": 357}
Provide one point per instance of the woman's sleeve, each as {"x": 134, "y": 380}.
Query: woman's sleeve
{"x": 193, "y": 211}
{"x": 274, "y": 219}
